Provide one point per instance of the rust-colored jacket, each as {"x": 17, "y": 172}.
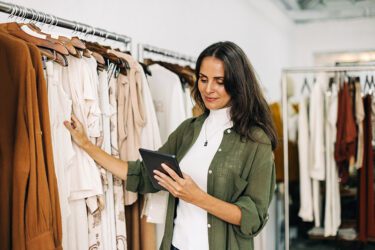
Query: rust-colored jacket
{"x": 30, "y": 211}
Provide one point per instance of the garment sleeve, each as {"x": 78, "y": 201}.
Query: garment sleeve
{"x": 138, "y": 179}
{"x": 257, "y": 196}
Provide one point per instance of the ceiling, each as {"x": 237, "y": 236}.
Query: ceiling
{"x": 303, "y": 11}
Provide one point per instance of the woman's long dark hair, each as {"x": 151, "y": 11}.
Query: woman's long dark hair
{"x": 248, "y": 106}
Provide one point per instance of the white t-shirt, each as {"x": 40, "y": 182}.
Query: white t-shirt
{"x": 190, "y": 230}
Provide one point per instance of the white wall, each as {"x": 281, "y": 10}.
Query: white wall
{"x": 332, "y": 36}
{"x": 189, "y": 26}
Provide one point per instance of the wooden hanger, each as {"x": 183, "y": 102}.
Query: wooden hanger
{"x": 53, "y": 55}
{"x": 40, "y": 42}
{"x": 122, "y": 65}
{"x": 66, "y": 42}
{"x": 78, "y": 43}
{"x": 80, "y": 46}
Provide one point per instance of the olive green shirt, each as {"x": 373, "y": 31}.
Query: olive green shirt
{"x": 243, "y": 174}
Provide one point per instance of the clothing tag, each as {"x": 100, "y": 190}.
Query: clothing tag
{"x": 29, "y": 31}
{"x": 55, "y": 36}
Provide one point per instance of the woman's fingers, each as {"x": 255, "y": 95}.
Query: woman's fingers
{"x": 76, "y": 130}
{"x": 69, "y": 126}
{"x": 164, "y": 183}
{"x": 168, "y": 181}
{"x": 76, "y": 122}
{"x": 172, "y": 173}
{"x": 168, "y": 188}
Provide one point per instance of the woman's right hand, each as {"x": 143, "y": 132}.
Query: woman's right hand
{"x": 77, "y": 131}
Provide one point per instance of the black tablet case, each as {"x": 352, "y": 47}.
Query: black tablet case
{"x": 153, "y": 160}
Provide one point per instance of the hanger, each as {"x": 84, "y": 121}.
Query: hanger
{"x": 145, "y": 69}
{"x": 57, "y": 51}
{"x": 40, "y": 42}
{"x": 367, "y": 85}
{"x": 330, "y": 84}
{"x": 372, "y": 85}
{"x": 78, "y": 43}
{"x": 122, "y": 64}
{"x": 54, "y": 56}
{"x": 100, "y": 60}
{"x": 305, "y": 85}
{"x": 62, "y": 40}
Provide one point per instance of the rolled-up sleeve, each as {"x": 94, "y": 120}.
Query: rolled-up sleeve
{"x": 255, "y": 200}
{"x": 138, "y": 179}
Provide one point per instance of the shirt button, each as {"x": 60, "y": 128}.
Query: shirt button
{"x": 209, "y": 225}
{"x": 219, "y": 149}
{"x": 228, "y": 131}
{"x": 210, "y": 171}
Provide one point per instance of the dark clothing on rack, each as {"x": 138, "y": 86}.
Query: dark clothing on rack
{"x": 345, "y": 146}
{"x": 366, "y": 216}
{"x": 30, "y": 211}
{"x": 292, "y": 148}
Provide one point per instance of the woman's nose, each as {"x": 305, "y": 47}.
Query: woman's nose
{"x": 209, "y": 87}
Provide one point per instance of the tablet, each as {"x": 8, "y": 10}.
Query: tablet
{"x": 153, "y": 160}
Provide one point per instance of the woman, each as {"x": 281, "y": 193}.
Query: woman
{"x": 225, "y": 155}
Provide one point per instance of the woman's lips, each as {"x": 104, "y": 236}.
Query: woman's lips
{"x": 210, "y": 99}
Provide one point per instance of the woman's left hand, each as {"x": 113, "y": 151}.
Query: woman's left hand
{"x": 183, "y": 188}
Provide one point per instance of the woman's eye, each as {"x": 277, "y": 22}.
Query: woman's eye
{"x": 203, "y": 80}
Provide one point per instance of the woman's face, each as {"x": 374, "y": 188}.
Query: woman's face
{"x": 211, "y": 84}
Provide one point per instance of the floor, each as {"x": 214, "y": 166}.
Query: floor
{"x": 329, "y": 245}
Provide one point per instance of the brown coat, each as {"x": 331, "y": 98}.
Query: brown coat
{"x": 30, "y": 213}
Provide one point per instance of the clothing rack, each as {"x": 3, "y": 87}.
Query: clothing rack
{"x": 41, "y": 17}
{"x": 142, "y": 48}
{"x": 285, "y": 73}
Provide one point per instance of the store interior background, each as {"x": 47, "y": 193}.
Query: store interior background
{"x": 264, "y": 29}
{"x": 272, "y": 37}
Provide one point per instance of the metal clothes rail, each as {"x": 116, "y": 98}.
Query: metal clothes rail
{"x": 41, "y": 17}
{"x": 142, "y": 48}
{"x": 301, "y": 70}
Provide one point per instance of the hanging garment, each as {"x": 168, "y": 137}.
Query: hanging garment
{"x": 155, "y": 204}
{"x": 279, "y": 157}
{"x": 42, "y": 97}
{"x": 27, "y": 168}
{"x": 169, "y": 105}
{"x": 118, "y": 191}
{"x": 85, "y": 179}
{"x": 346, "y": 133}
{"x": 131, "y": 118}
{"x": 84, "y": 174}
{"x": 292, "y": 145}
{"x": 306, "y": 207}
{"x": 108, "y": 216}
{"x": 332, "y": 211}
{"x": 60, "y": 109}
{"x": 359, "y": 117}
{"x": 366, "y": 214}
{"x": 95, "y": 204}
{"x": 155, "y": 207}
{"x": 317, "y": 145}
{"x": 316, "y": 123}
